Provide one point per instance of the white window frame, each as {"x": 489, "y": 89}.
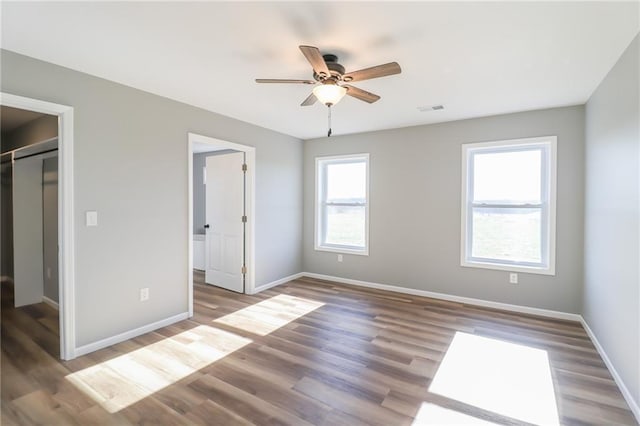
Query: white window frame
{"x": 320, "y": 207}
{"x": 548, "y": 144}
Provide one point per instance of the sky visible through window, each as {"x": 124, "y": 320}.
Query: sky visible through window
{"x": 507, "y": 177}
{"x": 346, "y": 182}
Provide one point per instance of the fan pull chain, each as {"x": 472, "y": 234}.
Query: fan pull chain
{"x": 329, "y": 132}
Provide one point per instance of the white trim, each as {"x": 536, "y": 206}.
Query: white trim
{"x": 50, "y": 302}
{"x": 66, "y": 218}
{"x": 250, "y": 207}
{"x": 109, "y": 341}
{"x": 460, "y": 299}
{"x": 633, "y": 405}
{"x": 342, "y": 250}
{"x": 316, "y": 228}
{"x": 513, "y": 142}
{"x": 190, "y": 225}
{"x": 549, "y": 191}
{"x": 277, "y": 282}
{"x": 506, "y": 267}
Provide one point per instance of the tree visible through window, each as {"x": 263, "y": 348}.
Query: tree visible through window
{"x": 341, "y": 203}
{"x": 508, "y": 213}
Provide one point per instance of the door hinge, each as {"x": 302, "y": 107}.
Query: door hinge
{"x": 244, "y": 167}
{"x": 244, "y": 270}
{"x": 244, "y": 219}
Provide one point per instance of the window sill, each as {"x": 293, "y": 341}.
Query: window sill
{"x": 509, "y": 268}
{"x": 363, "y": 252}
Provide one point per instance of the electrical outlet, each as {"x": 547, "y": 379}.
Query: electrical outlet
{"x": 513, "y": 278}
{"x": 144, "y": 294}
{"x": 339, "y": 258}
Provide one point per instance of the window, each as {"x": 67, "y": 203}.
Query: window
{"x": 342, "y": 207}
{"x": 508, "y": 205}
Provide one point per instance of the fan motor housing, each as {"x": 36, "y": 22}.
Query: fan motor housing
{"x": 337, "y": 70}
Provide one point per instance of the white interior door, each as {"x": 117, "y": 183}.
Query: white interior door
{"x": 224, "y": 226}
{"x": 27, "y": 231}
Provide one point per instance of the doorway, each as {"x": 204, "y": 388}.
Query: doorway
{"x": 65, "y": 219}
{"x": 228, "y": 233}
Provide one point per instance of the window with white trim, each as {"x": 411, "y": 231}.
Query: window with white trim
{"x": 342, "y": 204}
{"x": 508, "y": 205}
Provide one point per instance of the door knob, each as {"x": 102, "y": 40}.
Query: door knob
{"x": 206, "y": 226}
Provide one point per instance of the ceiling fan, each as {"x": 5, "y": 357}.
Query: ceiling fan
{"x": 330, "y": 79}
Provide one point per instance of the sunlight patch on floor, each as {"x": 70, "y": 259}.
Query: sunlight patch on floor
{"x": 498, "y": 376}
{"x": 269, "y": 315}
{"x": 125, "y": 380}
{"x": 431, "y": 414}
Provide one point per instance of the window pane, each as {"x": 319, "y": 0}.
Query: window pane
{"x": 507, "y": 177}
{"x": 345, "y": 225}
{"x": 347, "y": 182}
{"x": 507, "y": 234}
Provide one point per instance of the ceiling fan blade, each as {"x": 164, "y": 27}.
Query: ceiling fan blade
{"x": 277, "y": 80}
{"x": 316, "y": 60}
{"x": 374, "y": 72}
{"x": 310, "y": 100}
{"x": 363, "y": 95}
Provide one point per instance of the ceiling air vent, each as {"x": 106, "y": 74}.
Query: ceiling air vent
{"x": 430, "y": 108}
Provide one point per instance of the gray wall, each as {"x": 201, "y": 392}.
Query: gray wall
{"x": 415, "y": 195}
{"x": 131, "y": 166}
{"x": 38, "y": 130}
{"x": 612, "y": 217}
{"x": 199, "y": 189}
{"x": 50, "y": 226}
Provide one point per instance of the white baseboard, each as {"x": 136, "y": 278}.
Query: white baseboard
{"x": 109, "y": 341}
{"x": 451, "y": 298}
{"x": 50, "y": 302}
{"x": 633, "y": 404}
{"x": 277, "y": 282}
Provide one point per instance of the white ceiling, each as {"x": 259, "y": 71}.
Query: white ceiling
{"x": 476, "y": 59}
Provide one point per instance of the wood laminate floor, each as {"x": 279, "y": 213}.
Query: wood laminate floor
{"x": 313, "y": 352}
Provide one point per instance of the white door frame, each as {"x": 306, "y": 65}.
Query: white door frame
{"x": 250, "y": 207}
{"x": 66, "y": 221}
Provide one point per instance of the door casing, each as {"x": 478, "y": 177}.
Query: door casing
{"x": 250, "y": 207}
{"x": 66, "y": 219}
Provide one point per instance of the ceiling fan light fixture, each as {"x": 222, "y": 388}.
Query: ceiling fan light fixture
{"x": 329, "y": 94}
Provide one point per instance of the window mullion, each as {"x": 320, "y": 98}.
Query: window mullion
{"x": 330, "y": 203}
{"x": 507, "y": 206}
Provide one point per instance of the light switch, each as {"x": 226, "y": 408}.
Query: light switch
{"x": 92, "y": 218}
